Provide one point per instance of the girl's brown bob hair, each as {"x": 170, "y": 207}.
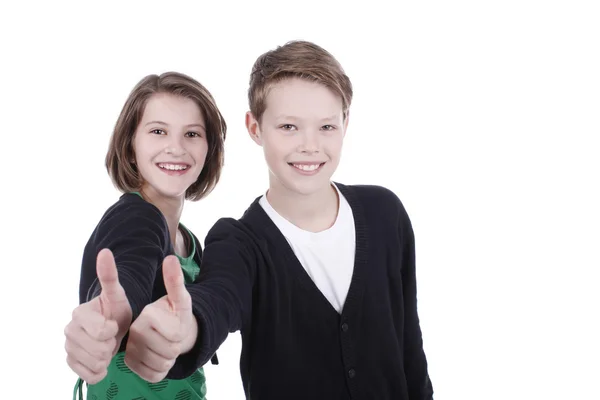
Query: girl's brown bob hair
{"x": 119, "y": 159}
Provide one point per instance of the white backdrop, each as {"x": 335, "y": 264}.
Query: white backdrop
{"x": 482, "y": 116}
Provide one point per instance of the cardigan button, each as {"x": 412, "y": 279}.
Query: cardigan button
{"x": 351, "y": 373}
{"x": 345, "y": 327}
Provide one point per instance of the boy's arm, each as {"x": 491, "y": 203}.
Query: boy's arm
{"x": 222, "y": 296}
{"x": 415, "y": 362}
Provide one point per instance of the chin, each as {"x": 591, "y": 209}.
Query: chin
{"x": 308, "y": 186}
{"x": 172, "y": 193}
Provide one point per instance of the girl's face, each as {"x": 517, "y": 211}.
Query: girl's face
{"x": 170, "y": 145}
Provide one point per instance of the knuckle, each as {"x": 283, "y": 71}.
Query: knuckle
{"x": 129, "y": 349}
{"x": 148, "y": 309}
{"x": 178, "y": 336}
{"x": 186, "y": 298}
{"x": 135, "y": 329}
{"x": 176, "y": 348}
{"x": 70, "y": 330}
{"x": 135, "y": 370}
{"x": 101, "y": 332}
{"x": 94, "y": 332}
{"x": 110, "y": 345}
{"x": 109, "y": 349}
{"x": 102, "y": 375}
{"x": 100, "y": 366}
{"x": 173, "y": 353}
{"x": 102, "y": 355}
{"x": 96, "y": 378}
{"x": 153, "y": 316}
{"x": 169, "y": 365}
{"x": 144, "y": 374}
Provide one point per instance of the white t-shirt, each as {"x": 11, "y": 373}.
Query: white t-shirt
{"x": 327, "y": 256}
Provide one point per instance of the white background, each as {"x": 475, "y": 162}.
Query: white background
{"x": 483, "y": 116}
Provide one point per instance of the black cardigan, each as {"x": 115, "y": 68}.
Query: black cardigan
{"x": 295, "y": 345}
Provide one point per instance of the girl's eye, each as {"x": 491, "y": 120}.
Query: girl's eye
{"x": 193, "y": 134}
{"x": 158, "y": 131}
{"x": 328, "y": 127}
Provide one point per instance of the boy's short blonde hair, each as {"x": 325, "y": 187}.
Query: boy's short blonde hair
{"x": 120, "y": 157}
{"x": 296, "y": 59}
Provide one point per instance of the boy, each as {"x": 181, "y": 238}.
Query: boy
{"x": 319, "y": 277}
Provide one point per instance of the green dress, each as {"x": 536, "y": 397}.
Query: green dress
{"x": 121, "y": 383}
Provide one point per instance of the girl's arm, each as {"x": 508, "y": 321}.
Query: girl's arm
{"x": 137, "y": 234}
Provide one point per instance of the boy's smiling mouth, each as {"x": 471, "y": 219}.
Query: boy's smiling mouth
{"x": 307, "y": 168}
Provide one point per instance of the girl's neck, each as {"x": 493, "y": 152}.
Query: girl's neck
{"x": 170, "y": 207}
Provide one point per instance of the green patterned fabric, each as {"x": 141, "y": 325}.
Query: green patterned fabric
{"x": 122, "y": 384}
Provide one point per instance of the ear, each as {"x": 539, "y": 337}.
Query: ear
{"x": 346, "y": 120}
{"x": 131, "y": 148}
{"x": 253, "y": 128}
{"x": 131, "y": 156}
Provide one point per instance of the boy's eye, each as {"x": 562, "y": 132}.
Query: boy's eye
{"x": 328, "y": 127}
{"x": 158, "y": 131}
{"x": 288, "y": 127}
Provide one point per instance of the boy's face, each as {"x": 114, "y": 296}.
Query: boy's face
{"x": 301, "y": 132}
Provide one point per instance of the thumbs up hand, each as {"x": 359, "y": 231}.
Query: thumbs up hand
{"x": 164, "y": 330}
{"x": 97, "y": 327}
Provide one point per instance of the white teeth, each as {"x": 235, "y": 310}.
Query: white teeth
{"x": 307, "y": 167}
{"x": 173, "y": 167}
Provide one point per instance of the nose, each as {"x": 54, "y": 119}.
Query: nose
{"x": 174, "y": 146}
{"x": 310, "y": 142}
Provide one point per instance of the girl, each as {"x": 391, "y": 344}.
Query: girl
{"x": 167, "y": 147}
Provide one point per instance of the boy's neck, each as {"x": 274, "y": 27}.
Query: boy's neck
{"x": 314, "y": 212}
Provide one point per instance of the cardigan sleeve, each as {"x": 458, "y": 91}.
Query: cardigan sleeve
{"x": 415, "y": 362}
{"x": 222, "y": 295}
{"x": 138, "y": 237}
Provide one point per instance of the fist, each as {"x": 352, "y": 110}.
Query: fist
{"x": 164, "y": 330}
{"x": 97, "y": 327}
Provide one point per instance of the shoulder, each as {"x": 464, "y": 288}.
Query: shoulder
{"x": 373, "y": 197}
{"x": 134, "y": 218}
{"x": 379, "y": 207}
{"x": 132, "y": 207}
{"x": 228, "y": 228}
{"x": 247, "y": 231}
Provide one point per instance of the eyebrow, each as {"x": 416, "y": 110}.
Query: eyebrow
{"x": 290, "y": 117}
{"x": 198, "y": 125}
{"x": 283, "y": 116}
